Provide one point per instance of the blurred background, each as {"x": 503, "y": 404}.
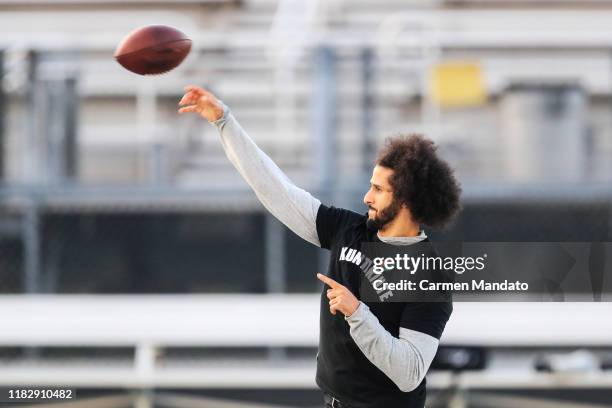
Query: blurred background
{"x": 137, "y": 266}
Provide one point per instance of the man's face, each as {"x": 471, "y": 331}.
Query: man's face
{"x": 382, "y": 208}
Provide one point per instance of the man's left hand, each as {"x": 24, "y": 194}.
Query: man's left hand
{"x": 340, "y": 298}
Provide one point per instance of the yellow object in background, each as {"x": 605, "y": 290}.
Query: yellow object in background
{"x": 457, "y": 84}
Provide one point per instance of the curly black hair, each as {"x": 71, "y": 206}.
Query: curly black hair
{"x": 421, "y": 179}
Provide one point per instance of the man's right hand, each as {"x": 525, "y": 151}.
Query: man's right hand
{"x": 199, "y": 100}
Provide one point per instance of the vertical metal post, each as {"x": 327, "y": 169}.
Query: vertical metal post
{"x": 276, "y": 278}
{"x": 30, "y": 152}
{"x": 325, "y": 121}
{"x": 70, "y": 145}
{"x": 431, "y": 115}
{"x": 30, "y": 221}
{"x": 144, "y": 399}
{"x": 325, "y": 118}
{"x": 59, "y": 104}
{"x": 53, "y": 133}
{"x": 158, "y": 165}
{"x": 50, "y": 267}
{"x": 610, "y": 193}
{"x": 146, "y": 111}
{"x": 31, "y": 247}
{"x": 367, "y": 115}
{"x": 2, "y": 121}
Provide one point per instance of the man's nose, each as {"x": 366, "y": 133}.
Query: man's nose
{"x": 367, "y": 199}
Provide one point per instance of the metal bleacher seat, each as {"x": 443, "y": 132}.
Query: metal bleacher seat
{"x": 148, "y": 324}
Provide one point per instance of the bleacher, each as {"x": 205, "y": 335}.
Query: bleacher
{"x": 150, "y": 324}
{"x": 272, "y": 94}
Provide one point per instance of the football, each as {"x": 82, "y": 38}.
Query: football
{"x": 153, "y": 49}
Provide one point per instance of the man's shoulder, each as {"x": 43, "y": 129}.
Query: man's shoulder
{"x": 332, "y": 221}
{"x": 337, "y": 217}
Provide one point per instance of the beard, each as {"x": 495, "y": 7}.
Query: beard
{"x": 384, "y": 216}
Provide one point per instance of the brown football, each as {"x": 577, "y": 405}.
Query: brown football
{"x": 153, "y": 49}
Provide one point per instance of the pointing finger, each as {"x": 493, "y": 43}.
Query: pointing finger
{"x": 329, "y": 281}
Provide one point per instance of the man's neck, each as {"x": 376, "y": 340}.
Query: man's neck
{"x": 398, "y": 229}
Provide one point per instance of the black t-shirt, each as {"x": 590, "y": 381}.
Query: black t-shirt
{"x": 343, "y": 371}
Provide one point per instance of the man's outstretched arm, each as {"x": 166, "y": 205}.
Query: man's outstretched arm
{"x": 293, "y": 206}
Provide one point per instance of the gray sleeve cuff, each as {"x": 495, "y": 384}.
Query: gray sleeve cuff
{"x": 221, "y": 121}
{"x": 358, "y": 314}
